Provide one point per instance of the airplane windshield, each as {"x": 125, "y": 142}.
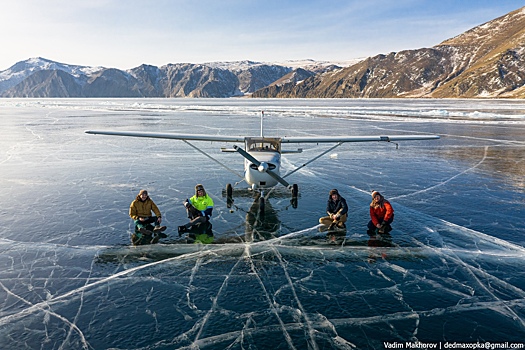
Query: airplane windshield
{"x": 263, "y": 144}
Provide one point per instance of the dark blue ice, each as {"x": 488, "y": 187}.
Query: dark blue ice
{"x": 453, "y": 268}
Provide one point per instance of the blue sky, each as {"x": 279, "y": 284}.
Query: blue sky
{"x": 127, "y": 33}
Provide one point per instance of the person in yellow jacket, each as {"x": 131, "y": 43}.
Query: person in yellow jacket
{"x": 199, "y": 208}
{"x": 140, "y": 211}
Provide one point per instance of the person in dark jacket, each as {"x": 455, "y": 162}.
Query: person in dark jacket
{"x": 381, "y": 214}
{"x": 337, "y": 211}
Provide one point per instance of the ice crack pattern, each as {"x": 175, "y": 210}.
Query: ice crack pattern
{"x": 453, "y": 268}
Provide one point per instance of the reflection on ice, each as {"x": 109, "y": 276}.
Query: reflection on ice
{"x": 219, "y": 295}
{"x": 451, "y": 270}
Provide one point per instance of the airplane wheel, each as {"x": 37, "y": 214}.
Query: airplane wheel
{"x": 261, "y": 208}
{"x": 295, "y": 190}
{"x": 229, "y": 195}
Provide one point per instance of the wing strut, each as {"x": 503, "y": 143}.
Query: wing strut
{"x": 215, "y": 160}
{"x": 313, "y": 159}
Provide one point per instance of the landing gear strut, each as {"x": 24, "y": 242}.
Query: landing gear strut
{"x": 262, "y": 204}
{"x": 261, "y": 200}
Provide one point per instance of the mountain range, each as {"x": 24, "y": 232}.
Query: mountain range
{"x": 484, "y": 62}
{"x": 40, "y": 77}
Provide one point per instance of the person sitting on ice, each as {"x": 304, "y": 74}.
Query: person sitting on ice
{"x": 337, "y": 210}
{"x": 199, "y": 209}
{"x": 381, "y": 215}
{"x": 140, "y": 211}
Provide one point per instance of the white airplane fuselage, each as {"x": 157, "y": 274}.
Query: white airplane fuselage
{"x": 256, "y": 175}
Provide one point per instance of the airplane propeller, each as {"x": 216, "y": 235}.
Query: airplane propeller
{"x": 261, "y": 166}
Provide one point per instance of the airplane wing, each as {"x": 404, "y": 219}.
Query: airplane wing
{"x": 333, "y": 139}
{"x": 174, "y": 136}
{"x": 292, "y": 139}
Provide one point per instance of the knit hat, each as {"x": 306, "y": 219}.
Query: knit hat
{"x": 143, "y": 191}
{"x": 199, "y": 187}
{"x": 334, "y": 191}
{"x": 375, "y": 193}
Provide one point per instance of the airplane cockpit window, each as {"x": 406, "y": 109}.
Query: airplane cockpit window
{"x": 263, "y": 145}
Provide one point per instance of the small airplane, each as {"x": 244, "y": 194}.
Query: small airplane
{"x": 262, "y": 164}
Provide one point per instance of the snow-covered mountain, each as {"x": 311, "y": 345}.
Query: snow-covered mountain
{"x": 39, "y": 77}
{"x": 21, "y": 70}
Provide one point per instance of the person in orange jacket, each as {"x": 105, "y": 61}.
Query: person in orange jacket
{"x": 381, "y": 214}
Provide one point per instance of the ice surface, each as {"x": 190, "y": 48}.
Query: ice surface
{"x": 452, "y": 269}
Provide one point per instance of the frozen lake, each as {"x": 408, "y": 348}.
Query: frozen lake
{"x": 452, "y": 270}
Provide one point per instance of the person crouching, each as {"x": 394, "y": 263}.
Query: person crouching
{"x": 199, "y": 208}
{"x": 381, "y": 215}
{"x": 146, "y": 225}
{"x": 337, "y": 210}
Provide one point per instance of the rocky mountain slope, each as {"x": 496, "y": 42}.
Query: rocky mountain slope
{"x": 486, "y": 61}
{"x": 39, "y": 77}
